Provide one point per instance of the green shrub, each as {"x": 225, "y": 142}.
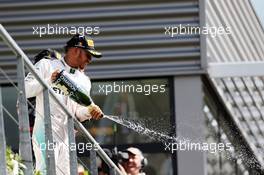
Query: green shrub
{"x": 14, "y": 163}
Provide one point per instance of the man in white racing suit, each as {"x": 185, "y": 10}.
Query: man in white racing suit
{"x": 79, "y": 50}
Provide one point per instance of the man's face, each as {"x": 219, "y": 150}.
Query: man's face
{"x": 78, "y": 57}
{"x": 84, "y": 59}
{"x": 133, "y": 165}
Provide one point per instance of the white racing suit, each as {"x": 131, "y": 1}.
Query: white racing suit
{"x": 45, "y": 68}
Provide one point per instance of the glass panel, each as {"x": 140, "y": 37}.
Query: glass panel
{"x": 159, "y": 164}
{"x": 9, "y": 95}
{"x": 213, "y": 163}
{"x": 223, "y": 162}
{"x": 144, "y": 101}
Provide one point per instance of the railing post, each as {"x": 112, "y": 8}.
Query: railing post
{"x": 2, "y": 139}
{"x": 73, "y": 154}
{"x": 93, "y": 166}
{"x": 112, "y": 171}
{"x": 100, "y": 151}
{"x": 50, "y": 159}
{"x": 25, "y": 150}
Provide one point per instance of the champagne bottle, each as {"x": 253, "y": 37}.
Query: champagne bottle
{"x": 69, "y": 87}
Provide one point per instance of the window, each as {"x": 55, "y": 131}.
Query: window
{"x": 142, "y": 101}
{"x": 146, "y": 103}
{"x": 9, "y": 99}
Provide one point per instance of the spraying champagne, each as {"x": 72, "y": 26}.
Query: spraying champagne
{"x": 80, "y": 95}
{"x": 75, "y": 92}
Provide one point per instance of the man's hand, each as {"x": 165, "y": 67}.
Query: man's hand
{"x": 54, "y": 75}
{"x": 95, "y": 112}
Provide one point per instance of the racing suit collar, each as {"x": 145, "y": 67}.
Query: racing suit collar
{"x": 67, "y": 67}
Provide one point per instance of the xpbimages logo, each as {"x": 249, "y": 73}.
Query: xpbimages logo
{"x": 196, "y": 146}
{"x": 81, "y": 147}
{"x": 174, "y": 31}
{"x": 122, "y": 87}
{"x": 55, "y": 29}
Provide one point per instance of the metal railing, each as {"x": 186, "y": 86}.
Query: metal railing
{"x": 2, "y": 140}
{"x": 24, "y": 134}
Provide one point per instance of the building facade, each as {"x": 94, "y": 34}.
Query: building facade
{"x": 155, "y": 71}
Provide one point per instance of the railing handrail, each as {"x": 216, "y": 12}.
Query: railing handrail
{"x": 19, "y": 52}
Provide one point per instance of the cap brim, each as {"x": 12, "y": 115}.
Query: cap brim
{"x": 94, "y": 53}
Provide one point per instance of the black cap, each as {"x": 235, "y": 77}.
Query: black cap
{"x": 84, "y": 42}
{"x": 47, "y": 54}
